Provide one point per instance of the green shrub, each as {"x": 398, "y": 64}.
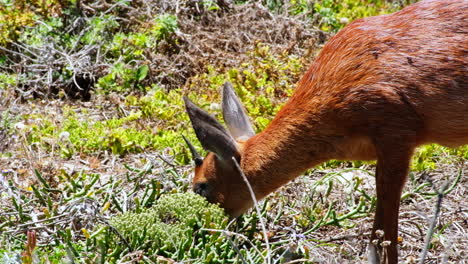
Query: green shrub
{"x": 158, "y": 119}
{"x": 120, "y": 135}
{"x": 17, "y": 15}
{"x": 127, "y": 50}
{"x": 14, "y": 15}
{"x": 7, "y": 81}
{"x": 428, "y": 156}
{"x": 172, "y": 228}
{"x": 163, "y": 27}
{"x": 335, "y": 14}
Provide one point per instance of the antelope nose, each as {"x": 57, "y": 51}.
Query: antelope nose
{"x": 201, "y": 188}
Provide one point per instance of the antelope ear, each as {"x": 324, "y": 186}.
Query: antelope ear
{"x": 195, "y": 155}
{"x": 211, "y": 134}
{"x": 234, "y": 115}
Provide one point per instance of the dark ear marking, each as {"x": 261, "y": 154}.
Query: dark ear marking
{"x": 211, "y": 134}
{"x": 195, "y": 155}
{"x": 234, "y": 114}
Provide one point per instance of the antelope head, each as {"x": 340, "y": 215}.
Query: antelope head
{"x": 216, "y": 176}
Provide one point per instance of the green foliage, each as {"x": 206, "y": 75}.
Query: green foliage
{"x": 129, "y": 134}
{"x": 426, "y": 188}
{"x": 164, "y": 26}
{"x": 7, "y": 257}
{"x": 67, "y": 50}
{"x": 161, "y": 105}
{"x": 172, "y": 228}
{"x": 6, "y": 121}
{"x": 120, "y": 135}
{"x": 100, "y": 30}
{"x": 335, "y": 14}
{"x": 19, "y": 14}
{"x": 7, "y": 81}
{"x": 13, "y": 17}
{"x": 75, "y": 191}
{"x": 428, "y": 156}
{"x": 121, "y": 55}
{"x": 43, "y": 33}
{"x": 210, "y": 5}
{"x": 168, "y": 110}
{"x": 54, "y": 255}
{"x": 127, "y": 50}
{"x": 262, "y": 83}
{"x": 122, "y": 77}
{"x": 300, "y": 6}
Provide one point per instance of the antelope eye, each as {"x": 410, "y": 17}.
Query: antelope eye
{"x": 202, "y": 189}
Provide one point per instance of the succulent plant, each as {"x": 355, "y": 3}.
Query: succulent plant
{"x": 173, "y": 227}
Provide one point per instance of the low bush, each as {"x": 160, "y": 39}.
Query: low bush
{"x": 173, "y": 228}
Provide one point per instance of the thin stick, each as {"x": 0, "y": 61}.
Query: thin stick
{"x": 297, "y": 261}
{"x": 430, "y": 232}
{"x": 254, "y": 199}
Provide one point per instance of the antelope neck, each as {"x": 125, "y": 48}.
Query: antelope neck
{"x": 281, "y": 153}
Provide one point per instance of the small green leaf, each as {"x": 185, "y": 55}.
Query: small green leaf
{"x": 142, "y": 72}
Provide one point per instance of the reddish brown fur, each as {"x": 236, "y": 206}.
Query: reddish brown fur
{"x": 380, "y": 87}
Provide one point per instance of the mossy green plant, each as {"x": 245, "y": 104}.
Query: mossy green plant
{"x": 78, "y": 135}
{"x": 173, "y": 228}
